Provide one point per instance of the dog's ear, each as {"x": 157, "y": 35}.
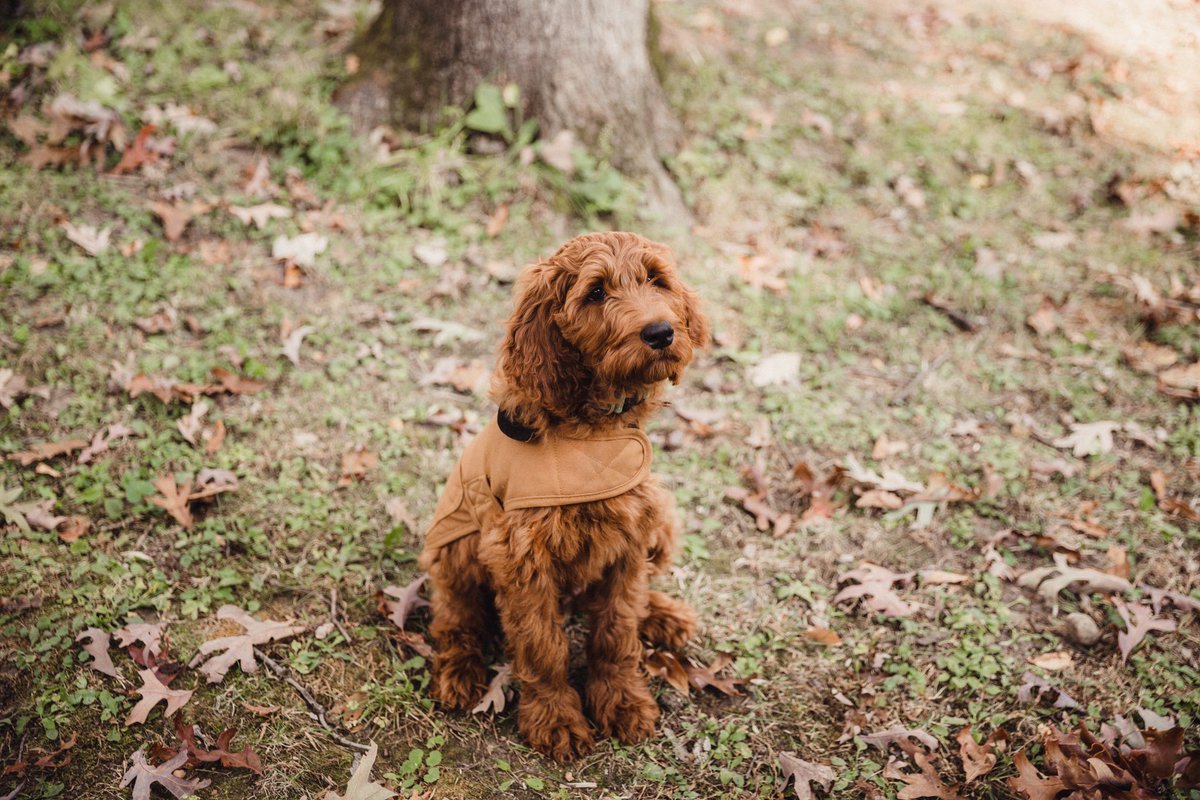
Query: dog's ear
{"x": 694, "y": 318}
{"x": 538, "y": 372}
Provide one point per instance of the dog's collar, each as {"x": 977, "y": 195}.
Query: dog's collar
{"x": 625, "y": 403}
{"x": 513, "y": 429}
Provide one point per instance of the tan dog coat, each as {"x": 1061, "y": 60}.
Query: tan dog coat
{"x": 497, "y": 472}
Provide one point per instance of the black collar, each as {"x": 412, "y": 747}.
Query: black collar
{"x": 513, "y": 429}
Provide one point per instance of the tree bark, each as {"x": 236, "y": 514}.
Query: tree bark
{"x": 582, "y": 65}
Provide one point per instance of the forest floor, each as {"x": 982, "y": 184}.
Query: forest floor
{"x": 951, "y": 256}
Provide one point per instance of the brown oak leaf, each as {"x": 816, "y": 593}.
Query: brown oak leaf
{"x": 407, "y": 600}
{"x": 803, "y": 774}
{"x": 239, "y": 649}
{"x": 144, "y": 777}
{"x": 97, "y": 643}
{"x": 153, "y": 692}
{"x": 1139, "y": 620}
{"x": 496, "y": 696}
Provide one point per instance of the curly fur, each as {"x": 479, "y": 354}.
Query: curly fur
{"x": 566, "y": 362}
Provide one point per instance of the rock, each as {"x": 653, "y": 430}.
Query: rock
{"x": 1081, "y": 629}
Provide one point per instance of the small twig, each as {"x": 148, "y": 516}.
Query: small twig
{"x": 902, "y": 395}
{"x": 960, "y": 320}
{"x": 333, "y": 614}
{"x": 318, "y": 710}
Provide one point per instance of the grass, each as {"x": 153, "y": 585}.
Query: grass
{"x": 797, "y": 162}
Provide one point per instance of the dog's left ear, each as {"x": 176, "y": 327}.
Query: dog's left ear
{"x": 695, "y": 319}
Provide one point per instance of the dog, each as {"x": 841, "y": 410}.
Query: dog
{"x": 552, "y": 507}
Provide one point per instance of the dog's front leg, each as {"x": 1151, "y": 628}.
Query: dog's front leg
{"x": 550, "y": 715}
{"x": 617, "y": 696}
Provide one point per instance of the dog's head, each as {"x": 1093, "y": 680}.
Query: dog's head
{"x": 595, "y": 328}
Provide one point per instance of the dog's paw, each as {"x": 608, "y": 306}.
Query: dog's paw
{"x": 625, "y": 711}
{"x": 459, "y": 684}
{"x": 559, "y": 731}
{"x": 671, "y": 624}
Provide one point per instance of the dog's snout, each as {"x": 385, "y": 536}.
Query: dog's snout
{"x": 658, "y": 335}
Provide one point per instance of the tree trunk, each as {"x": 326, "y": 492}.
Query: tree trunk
{"x": 582, "y": 65}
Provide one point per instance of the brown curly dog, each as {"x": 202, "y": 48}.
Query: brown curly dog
{"x": 597, "y": 330}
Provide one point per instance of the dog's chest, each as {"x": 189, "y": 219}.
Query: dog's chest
{"x": 595, "y": 536}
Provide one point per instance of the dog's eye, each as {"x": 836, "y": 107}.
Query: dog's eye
{"x": 596, "y": 295}
{"x": 654, "y": 279}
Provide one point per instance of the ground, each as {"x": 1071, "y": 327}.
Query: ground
{"x": 934, "y": 239}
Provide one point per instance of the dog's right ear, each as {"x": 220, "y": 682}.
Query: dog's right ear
{"x": 539, "y": 374}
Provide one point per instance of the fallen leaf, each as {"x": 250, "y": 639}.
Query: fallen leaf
{"x": 878, "y": 498}
{"x": 979, "y": 759}
{"x": 1181, "y": 601}
{"x": 144, "y": 777}
{"x": 153, "y": 692}
{"x": 1150, "y": 357}
{"x": 360, "y": 786}
{"x": 52, "y": 760}
{"x": 46, "y": 451}
{"x": 925, "y": 783}
{"x": 291, "y": 344}
{"x": 898, "y": 736}
{"x": 162, "y": 321}
{"x": 12, "y": 388}
{"x": 149, "y": 634}
{"x": 873, "y": 586}
{"x": 137, "y": 153}
{"x": 213, "y": 437}
{"x": 175, "y": 218}
{"x": 432, "y": 253}
{"x": 236, "y": 384}
{"x": 261, "y": 711}
{"x": 97, "y": 642}
{"x": 173, "y": 498}
{"x": 1118, "y": 557}
{"x": 701, "y": 677}
{"x": 1089, "y": 438}
{"x": 669, "y": 667}
{"x": 245, "y": 758}
{"x": 356, "y": 464}
{"x": 1031, "y": 783}
{"x": 73, "y": 528}
{"x": 90, "y": 239}
{"x": 302, "y": 250}
{"x": 211, "y": 482}
{"x": 239, "y": 649}
{"x": 497, "y": 220}
{"x": 1049, "y": 581}
{"x": 935, "y": 577}
{"x": 777, "y": 369}
{"x": 890, "y": 481}
{"x": 496, "y": 696}
{"x": 1181, "y": 381}
{"x": 1044, "y": 321}
{"x": 260, "y": 214}
{"x": 258, "y": 180}
{"x": 1034, "y": 688}
{"x": 886, "y": 448}
{"x": 191, "y": 425}
{"x": 1056, "y": 467}
{"x": 1139, "y": 620}
{"x": 464, "y": 376}
{"x": 407, "y": 600}
{"x": 1054, "y": 661}
{"x": 803, "y": 774}
{"x": 446, "y": 331}
{"x": 823, "y": 636}
{"x": 1171, "y": 505}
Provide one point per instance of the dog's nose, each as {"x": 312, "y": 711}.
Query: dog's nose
{"x": 658, "y": 335}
